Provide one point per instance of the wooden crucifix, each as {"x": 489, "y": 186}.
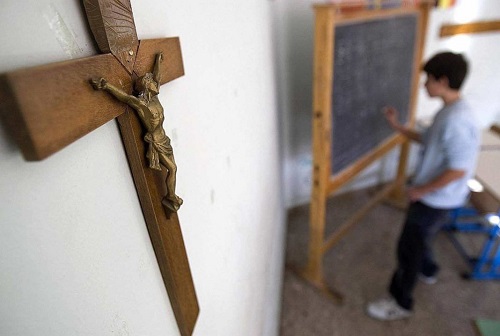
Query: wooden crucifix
{"x": 46, "y": 108}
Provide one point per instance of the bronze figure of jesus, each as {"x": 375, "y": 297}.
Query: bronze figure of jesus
{"x": 150, "y": 111}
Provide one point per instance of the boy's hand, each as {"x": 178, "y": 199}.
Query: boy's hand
{"x": 415, "y": 193}
{"x": 391, "y": 114}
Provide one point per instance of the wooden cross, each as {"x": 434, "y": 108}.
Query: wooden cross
{"x": 48, "y": 107}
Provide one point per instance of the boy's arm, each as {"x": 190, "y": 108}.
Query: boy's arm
{"x": 448, "y": 176}
{"x": 409, "y": 133}
{"x": 392, "y": 117}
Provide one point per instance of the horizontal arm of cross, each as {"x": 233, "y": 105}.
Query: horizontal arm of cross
{"x": 48, "y": 107}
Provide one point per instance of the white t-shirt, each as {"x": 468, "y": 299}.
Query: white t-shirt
{"x": 451, "y": 142}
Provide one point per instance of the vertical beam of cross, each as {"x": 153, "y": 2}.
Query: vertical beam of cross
{"x": 48, "y": 107}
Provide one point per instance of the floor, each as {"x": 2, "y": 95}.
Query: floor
{"x": 359, "y": 267}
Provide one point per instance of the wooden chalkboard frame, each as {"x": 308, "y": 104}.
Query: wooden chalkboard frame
{"x": 327, "y": 17}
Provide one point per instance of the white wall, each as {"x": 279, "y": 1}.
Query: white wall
{"x": 295, "y": 88}
{"x": 482, "y": 50}
{"x": 75, "y": 255}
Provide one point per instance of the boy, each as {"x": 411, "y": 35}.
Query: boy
{"x": 447, "y": 162}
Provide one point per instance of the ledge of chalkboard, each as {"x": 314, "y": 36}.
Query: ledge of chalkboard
{"x": 356, "y": 6}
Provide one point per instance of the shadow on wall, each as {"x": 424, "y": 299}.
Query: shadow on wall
{"x": 299, "y": 47}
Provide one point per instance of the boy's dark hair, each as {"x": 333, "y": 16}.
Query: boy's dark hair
{"x": 449, "y": 65}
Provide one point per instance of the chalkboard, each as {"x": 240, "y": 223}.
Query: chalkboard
{"x": 373, "y": 67}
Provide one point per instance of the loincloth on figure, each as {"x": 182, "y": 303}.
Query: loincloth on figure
{"x": 157, "y": 147}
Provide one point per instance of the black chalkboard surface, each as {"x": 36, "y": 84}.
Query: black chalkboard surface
{"x": 373, "y": 68}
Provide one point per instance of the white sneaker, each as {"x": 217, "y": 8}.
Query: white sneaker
{"x": 387, "y": 310}
{"x": 429, "y": 280}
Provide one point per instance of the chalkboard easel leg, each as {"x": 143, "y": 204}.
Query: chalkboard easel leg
{"x": 313, "y": 272}
{"x": 397, "y": 197}
{"x": 318, "y": 283}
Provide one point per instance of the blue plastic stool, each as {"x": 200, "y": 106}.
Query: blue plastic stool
{"x": 486, "y": 266}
